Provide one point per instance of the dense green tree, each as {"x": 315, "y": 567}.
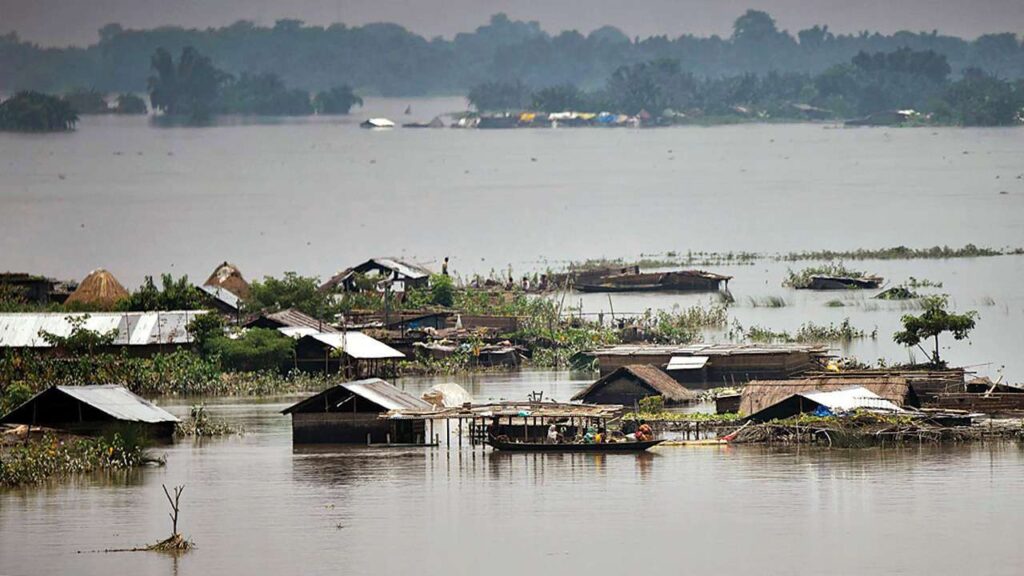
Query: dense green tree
{"x": 935, "y": 320}
{"x": 559, "y": 98}
{"x": 80, "y": 340}
{"x": 292, "y": 291}
{"x": 172, "y": 294}
{"x": 500, "y": 96}
{"x": 263, "y": 95}
{"x": 337, "y": 100}
{"x": 87, "y": 101}
{"x": 187, "y": 88}
{"x": 982, "y": 100}
{"x": 255, "y": 350}
{"x": 35, "y": 112}
{"x": 128, "y": 103}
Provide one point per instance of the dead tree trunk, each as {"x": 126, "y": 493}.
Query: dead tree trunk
{"x": 174, "y": 506}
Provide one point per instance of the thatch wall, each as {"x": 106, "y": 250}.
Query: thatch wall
{"x": 759, "y": 394}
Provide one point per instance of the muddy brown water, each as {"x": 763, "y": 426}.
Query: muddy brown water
{"x": 256, "y": 505}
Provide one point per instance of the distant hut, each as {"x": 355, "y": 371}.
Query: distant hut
{"x": 92, "y": 410}
{"x": 291, "y": 322}
{"x": 354, "y": 354}
{"x": 99, "y": 289}
{"x": 760, "y": 394}
{"x": 630, "y": 384}
{"x": 350, "y": 413}
{"x": 228, "y": 277}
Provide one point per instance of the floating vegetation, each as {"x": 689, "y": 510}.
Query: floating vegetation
{"x": 922, "y": 283}
{"x": 682, "y": 325}
{"x": 897, "y": 293}
{"x": 767, "y": 302}
{"x": 50, "y": 456}
{"x": 810, "y": 332}
{"x": 835, "y": 304}
{"x": 901, "y": 253}
{"x": 199, "y": 424}
{"x": 802, "y": 279}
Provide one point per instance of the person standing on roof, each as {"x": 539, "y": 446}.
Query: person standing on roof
{"x": 444, "y": 266}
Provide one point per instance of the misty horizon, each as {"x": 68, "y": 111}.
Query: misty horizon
{"x": 59, "y": 23}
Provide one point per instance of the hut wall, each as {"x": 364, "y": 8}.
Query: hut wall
{"x": 727, "y": 404}
{"x": 338, "y": 428}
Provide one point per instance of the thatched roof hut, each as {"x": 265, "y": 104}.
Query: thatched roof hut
{"x": 760, "y": 394}
{"x": 632, "y": 383}
{"x": 99, "y": 289}
{"x": 229, "y": 277}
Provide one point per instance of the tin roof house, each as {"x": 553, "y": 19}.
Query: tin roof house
{"x": 92, "y": 410}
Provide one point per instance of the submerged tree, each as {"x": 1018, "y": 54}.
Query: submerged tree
{"x": 935, "y": 320}
{"x": 130, "y": 104}
{"x": 173, "y": 294}
{"x": 36, "y": 112}
{"x": 187, "y": 88}
{"x": 87, "y": 101}
{"x": 337, "y": 100}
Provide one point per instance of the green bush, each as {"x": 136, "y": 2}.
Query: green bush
{"x": 255, "y": 350}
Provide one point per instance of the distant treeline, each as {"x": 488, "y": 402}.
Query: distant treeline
{"x": 868, "y": 84}
{"x": 387, "y": 59}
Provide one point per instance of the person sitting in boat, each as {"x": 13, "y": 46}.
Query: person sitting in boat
{"x": 553, "y": 436}
{"x": 590, "y": 436}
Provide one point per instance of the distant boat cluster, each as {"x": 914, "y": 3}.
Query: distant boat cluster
{"x": 568, "y": 119}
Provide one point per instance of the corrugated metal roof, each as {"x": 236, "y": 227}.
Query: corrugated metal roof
{"x": 687, "y": 362}
{"x": 222, "y": 295}
{"x": 295, "y": 318}
{"x": 706, "y": 349}
{"x": 21, "y": 330}
{"x": 119, "y": 402}
{"x": 373, "y": 389}
{"x": 404, "y": 268}
{"x": 380, "y": 392}
{"x": 358, "y": 345}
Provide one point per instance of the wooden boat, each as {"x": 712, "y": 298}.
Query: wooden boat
{"x": 572, "y": 446}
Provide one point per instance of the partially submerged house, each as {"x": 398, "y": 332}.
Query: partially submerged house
{"x": 351, "y": 413}
{"x": 632, "y": 280}
{"x": 843, "y": 282}
{"x": 100, "y": 289}
{"x": 821, "y": 403}
{"x": 630, "y": 384}
{"x": 142, "y": 333}
{"x": 353, "y": 354}
{"x": 92, "y": 410}
{"x": 711, "y": 365}
{"x": 400, "y": 276}
{"x": 760, "y": 394}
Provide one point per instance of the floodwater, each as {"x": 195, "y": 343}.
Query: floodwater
{"x": 255, "y": 505}
{"x": 314, "y": 195}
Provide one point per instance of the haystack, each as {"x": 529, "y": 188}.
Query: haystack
{"x": 228, "y": 277}
{"x": 99, "y": 289}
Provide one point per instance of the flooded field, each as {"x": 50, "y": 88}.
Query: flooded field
{"x": 253, "y": 504}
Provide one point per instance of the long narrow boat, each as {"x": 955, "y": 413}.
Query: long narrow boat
{"x": 572, "y": 447}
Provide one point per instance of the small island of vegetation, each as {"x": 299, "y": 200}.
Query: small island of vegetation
{"x": 36, "y": 112}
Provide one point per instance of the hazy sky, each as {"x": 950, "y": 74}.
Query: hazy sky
{"x": 60, "y": 22}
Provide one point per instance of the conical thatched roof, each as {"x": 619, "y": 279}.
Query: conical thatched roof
{"x": 228, "y": 277}
{"x": 99, "y": 288}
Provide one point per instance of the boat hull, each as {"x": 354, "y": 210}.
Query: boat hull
{"x": 598, "y": 448}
